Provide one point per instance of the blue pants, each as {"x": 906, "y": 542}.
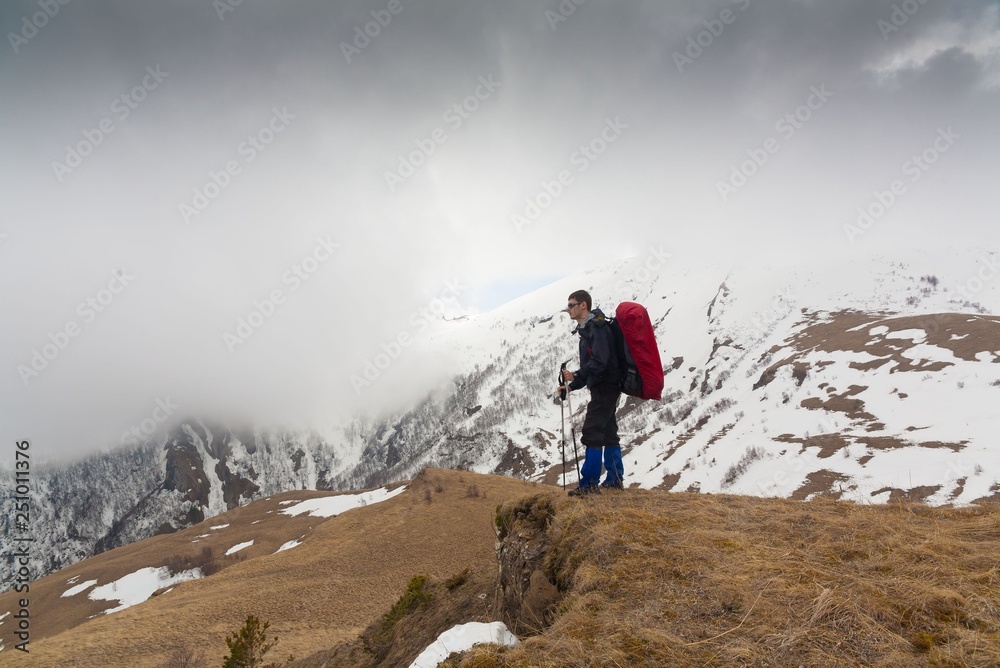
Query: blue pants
{"x": 590, "y": 474}
{"x": 600, "y": 432}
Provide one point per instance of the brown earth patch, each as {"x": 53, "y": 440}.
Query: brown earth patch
{"x": 842, "y": 403}
{"x": 828, "y": 444}
{"x": 893, "y": 443}
{"x": 849, "y": 331}
{"x": 959, "y": 488}
{"x": 820, "y": 483}
{"x": 913, "y": 495}
{"x": 669, "y": 482}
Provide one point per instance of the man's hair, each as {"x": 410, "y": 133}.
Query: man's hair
{"x": 583, "y": 296}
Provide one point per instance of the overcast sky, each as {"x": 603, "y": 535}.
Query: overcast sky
{"x": 181, "y": 163}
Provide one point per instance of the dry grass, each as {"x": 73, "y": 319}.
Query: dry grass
{"x": 347, "y": 572}
{"x": 658, "y": 579}
{"x": 648, "y": 579}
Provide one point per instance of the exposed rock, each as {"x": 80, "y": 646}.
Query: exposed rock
{"x": 528, "y": 594}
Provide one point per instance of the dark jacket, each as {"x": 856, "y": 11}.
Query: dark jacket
{"x": 598, "y": 361}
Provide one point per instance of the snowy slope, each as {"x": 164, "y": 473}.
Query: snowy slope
{"x": 872, "y": 380}
{"x": 881, "y": 379}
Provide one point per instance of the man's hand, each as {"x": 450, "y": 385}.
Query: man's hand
{"x": 567, "y": 375}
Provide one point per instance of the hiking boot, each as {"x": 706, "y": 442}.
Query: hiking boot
{"x": 584, "y": 491}
{"x": 615, "y": 484}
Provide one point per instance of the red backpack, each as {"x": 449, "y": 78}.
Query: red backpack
{"x": 638, "y": 354}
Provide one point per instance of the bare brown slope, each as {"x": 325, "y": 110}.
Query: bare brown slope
{"x": 346, "y": 573}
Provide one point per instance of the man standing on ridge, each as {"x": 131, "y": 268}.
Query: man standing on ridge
{"x": 600, "y": 372}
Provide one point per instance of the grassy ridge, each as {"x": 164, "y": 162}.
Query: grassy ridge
{"x": 659, "y": 579}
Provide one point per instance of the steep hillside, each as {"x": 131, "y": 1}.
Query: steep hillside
{"x": 334, "y": 576}
{"x": 196, "y": 471}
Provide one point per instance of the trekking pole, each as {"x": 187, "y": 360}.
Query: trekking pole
{"x": 572, "y": 430}
{"x": 562, "y": 414}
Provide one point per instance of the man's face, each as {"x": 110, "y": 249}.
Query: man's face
{"x": 574, "y": 308}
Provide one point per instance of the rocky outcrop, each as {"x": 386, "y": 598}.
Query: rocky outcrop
{"x": 528, "y": 591}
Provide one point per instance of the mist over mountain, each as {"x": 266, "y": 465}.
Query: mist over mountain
{"x": 868, "y": 381}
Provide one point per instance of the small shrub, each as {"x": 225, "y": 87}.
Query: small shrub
{"x": 752, "y": 454}
{"x": 185, "y": 657}
{"x": 205, "y": 561}
{"x": 248, "y": 645}
{"x": 457, "y": 581}
{"x": 428, "y": 497}
{"x": 472, "y": 491}
{"x": 924, "y": 642}
{"x": 416, "y": 595}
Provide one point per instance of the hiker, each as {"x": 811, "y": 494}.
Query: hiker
{"x": 600, "y": 372}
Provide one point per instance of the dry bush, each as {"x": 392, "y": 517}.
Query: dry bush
{"x": 752, "y": 454}
{"x": 185, "y": 657}
{"x": 660, "y": 579}
{"x": 204, "y": 560}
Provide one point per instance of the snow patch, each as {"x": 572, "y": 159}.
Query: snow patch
{"x": 238, "y": 547}
{"x": 916, "y": 335}
{"x": 461, "y": 638}
{"x": 73, "y": 591}
{"x": 329, "y": 506}
{"x": 289, "y": 545}
{"x": 134, "y": 588}
{"x": 216, "y": 528}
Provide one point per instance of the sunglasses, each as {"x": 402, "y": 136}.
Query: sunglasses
{"x": 571, "y": 305}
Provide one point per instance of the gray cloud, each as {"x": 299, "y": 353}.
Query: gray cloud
{"x": 345, "y": 125}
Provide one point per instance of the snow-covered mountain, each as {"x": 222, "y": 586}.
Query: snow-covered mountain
{"x": 869, "y": 381}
